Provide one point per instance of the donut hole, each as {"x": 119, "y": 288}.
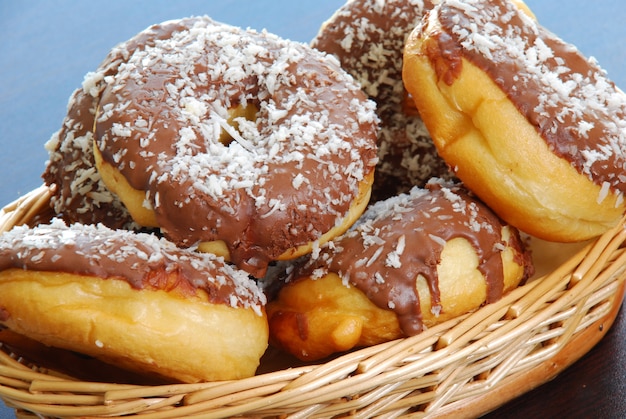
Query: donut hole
{"x": 231, "y": 129}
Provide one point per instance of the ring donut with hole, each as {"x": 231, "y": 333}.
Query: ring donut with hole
{"x": 258, "y": 148}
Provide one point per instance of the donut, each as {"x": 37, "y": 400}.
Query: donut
{"x": 528, "y": 123}
{"x": 258, "y": 148}
{"x": 132, "y": 300}
{"x": 367, "y": 36}
{"x": 79, "y": 194}
{"x": 411, "y": 261}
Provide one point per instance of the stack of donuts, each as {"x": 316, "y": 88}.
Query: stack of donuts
{"x": 218, "y": 190}
{"x": 533, "y": 143}
{"x": 196, "y": 155}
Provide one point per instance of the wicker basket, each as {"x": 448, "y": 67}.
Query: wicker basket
{"x": 462, "y": 368}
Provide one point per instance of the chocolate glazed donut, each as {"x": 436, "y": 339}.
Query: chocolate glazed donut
{"x": 533, "y": 127}
{"x": 132, "y": 300}
{"x": 368, "y": 37}
{"x": 411, "y": 261}
{"x": 238, "y": 139}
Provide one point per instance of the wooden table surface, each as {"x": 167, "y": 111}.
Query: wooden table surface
{"x": 47, "y": 47}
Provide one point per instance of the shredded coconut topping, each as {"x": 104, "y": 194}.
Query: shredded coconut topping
{"x": 368, "y": 38}
{"x": 100, "y": 251}
{"x": 172, "y": 117}
{"x": 401, "y": 239}
{"x": 580, "y": 113}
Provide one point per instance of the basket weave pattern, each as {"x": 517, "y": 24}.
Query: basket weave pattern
{"x": 475, "y": 362}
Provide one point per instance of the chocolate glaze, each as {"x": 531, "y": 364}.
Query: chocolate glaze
{"x": 403, "y": 237}
{"x": 79, "y": 193}
{"x": 368, "y": 36}
{"x": 285, "y": 179}
{"x": 568, "y": 98}
{"x": 142, "y": 260}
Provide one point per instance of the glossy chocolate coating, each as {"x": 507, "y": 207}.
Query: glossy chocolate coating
{"x": 402, "y": 238}
{"x": 286, "y": 176}
{"x": 368, "y": 37}
{"x": 79, "y": 193}
{"x": 143, "y": 260}
{"x": 567, "y": 97}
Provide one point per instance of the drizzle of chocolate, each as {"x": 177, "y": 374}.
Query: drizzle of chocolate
{"x": 402, "y": 238}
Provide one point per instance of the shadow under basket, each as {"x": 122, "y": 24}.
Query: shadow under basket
{"x": 462, "y": 368}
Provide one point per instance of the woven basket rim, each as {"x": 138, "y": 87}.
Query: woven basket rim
{"x": 470, "y": 361}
